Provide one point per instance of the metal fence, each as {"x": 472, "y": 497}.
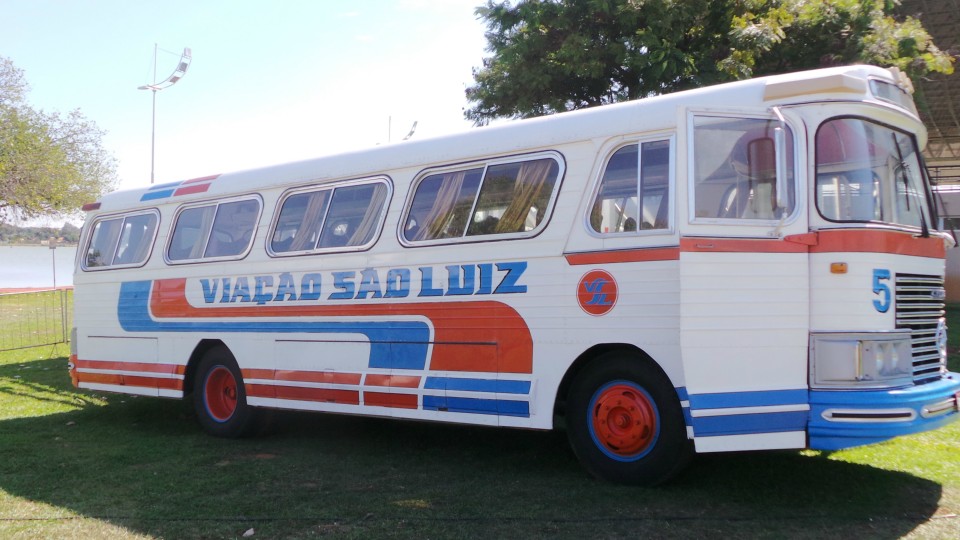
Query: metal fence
{"x": 32, "y": 319}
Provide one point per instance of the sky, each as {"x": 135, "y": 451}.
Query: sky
{"x": 270, "y": 81}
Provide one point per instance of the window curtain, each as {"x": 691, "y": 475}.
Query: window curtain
{"x": 531, "y": 180}
{"x": 306, "y": 235}
{"x": 443, "y": 206}
{"x": 370, "y": 218}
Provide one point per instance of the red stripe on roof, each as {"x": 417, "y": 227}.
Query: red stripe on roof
{"x": 187, "y": 190}
{"x": 203, "y": 179}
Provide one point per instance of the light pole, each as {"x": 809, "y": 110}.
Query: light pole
{"x": 52, "y": 242}
{"x": 177, "y": 74}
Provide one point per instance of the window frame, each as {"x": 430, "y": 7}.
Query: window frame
{"x": 216, "y": 203}
{"x": 796, "y": 133}
{"x": 332, "y": 187}
{"x": 929, "y": 214}
{"x": 670, "y": 229}
{"x": 123, "y": 216}
{"x": 485, "y": 165}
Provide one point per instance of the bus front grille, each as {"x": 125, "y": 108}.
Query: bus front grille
{"x": 920, "y": 302}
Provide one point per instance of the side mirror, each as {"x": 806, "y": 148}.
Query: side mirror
{"x": 780, "y": 141}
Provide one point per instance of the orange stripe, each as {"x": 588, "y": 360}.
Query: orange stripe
{"x": 131, "y": 380}
{"x": 878, "y": 241}
{"x": 395, "y": 381}
{"x": 383, "y": 399}
{"x": 826, "y": 241}
{"x": 623, "y": 256}
{"x": 739, "y": 245}
{"x": 349, "y": 397}
{"x": 170, "y": 369}
{"x": 329, "y": 377}
{"x": 455, "y": 324}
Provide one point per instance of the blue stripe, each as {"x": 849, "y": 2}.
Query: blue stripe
{"x": 748, "y": 399}
{"x": 743, "y": 424}
{"x": 477, "y": 385}
{"x": 476, "y": 406}
{"x": 833, "y": 435}
{"x": 682, "y": 393}
{"x": 156, "y": 195}
{"x": 393, "y": 344}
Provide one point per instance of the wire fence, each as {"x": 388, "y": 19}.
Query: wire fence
{"x": 35, "y": 318}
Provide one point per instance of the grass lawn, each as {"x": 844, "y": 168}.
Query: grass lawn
{"x": 85, "y": 465}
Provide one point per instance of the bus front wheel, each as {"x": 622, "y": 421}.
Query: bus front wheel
{"x": 219, "y": 398}
{"x": 625, "y": 423}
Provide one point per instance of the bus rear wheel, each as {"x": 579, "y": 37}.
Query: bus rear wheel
{"x": 625, "y": 423}
{"x": 219, "y": 397}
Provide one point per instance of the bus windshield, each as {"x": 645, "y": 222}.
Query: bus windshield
{"x": 869, "y": 172}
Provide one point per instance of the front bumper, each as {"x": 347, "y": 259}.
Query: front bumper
{"x": 844, "y": 418}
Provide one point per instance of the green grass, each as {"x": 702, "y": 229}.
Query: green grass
{"x": 32, "y": 319}
{"x": 84, "y": 465}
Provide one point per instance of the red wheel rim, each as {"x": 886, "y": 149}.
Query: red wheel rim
{"x": 624, "y": 420}
{"x": 220, "y": 394}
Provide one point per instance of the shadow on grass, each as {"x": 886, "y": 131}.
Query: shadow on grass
{"x": 143, "y": 464}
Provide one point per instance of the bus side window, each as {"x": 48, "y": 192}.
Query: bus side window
{"x": 120, "y": 241}
{"x": 500, "y": 198}
{"x": 298, "y": 226}
{"x": 190, "y": 233}
{"x": 513, "y": 197}
{"x": 135, "y": 239}
{"x": 634, "y": 193}
{"x": 354, "y": 215}
{"x": 344, "y": 216}
{"x": 442, "y": 203}
{"x": 233, "y": 228}
{"x": 103, "y": 242}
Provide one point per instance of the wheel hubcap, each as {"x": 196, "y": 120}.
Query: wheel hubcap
{"x": 220, "y": 394}
{"x": 624, "y": 420}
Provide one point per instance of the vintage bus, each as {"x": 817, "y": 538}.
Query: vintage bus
{"x": 752, "y": 265}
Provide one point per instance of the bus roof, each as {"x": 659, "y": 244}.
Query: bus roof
{"x": 648, "y": 114}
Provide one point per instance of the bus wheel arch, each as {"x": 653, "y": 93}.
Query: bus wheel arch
{"x": 585, "y": 359}
{"x": 190, "y": 374}
{"x": 623, "y": 418}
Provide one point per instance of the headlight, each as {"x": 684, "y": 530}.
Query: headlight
{"x": 863, "y": 360}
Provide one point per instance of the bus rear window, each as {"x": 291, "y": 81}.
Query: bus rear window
{"x": 121, "y": 241}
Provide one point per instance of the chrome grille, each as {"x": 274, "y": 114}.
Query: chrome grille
{"x": 920, "y": 303}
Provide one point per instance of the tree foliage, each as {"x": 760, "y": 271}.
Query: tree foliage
{"x": 555, "y": 55}
{"x": 68, "y": 234}
{"x": 50, "y": 163}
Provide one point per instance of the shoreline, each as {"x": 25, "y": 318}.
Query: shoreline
{"x": 38, "y": 245}
{"x": 14, "y": 290}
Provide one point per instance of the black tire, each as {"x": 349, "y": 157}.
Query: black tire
{"x": 625, "y": 423}
{"x": 219, "y": 396}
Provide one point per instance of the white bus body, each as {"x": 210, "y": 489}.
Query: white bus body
{"x": 746, "y": 266}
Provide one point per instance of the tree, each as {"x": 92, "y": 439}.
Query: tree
{"x": 556, "y": 55}
{"x": 50, "y": 164}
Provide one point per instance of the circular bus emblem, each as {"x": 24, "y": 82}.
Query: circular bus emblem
{"x": 597, "y": 292}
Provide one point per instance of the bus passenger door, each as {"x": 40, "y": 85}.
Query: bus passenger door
{"x": 744, "y": 283}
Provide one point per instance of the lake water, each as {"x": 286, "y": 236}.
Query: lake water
{"x": 32, "y": 266}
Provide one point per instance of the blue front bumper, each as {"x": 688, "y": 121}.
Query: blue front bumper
{"x": 844, "y": 418}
